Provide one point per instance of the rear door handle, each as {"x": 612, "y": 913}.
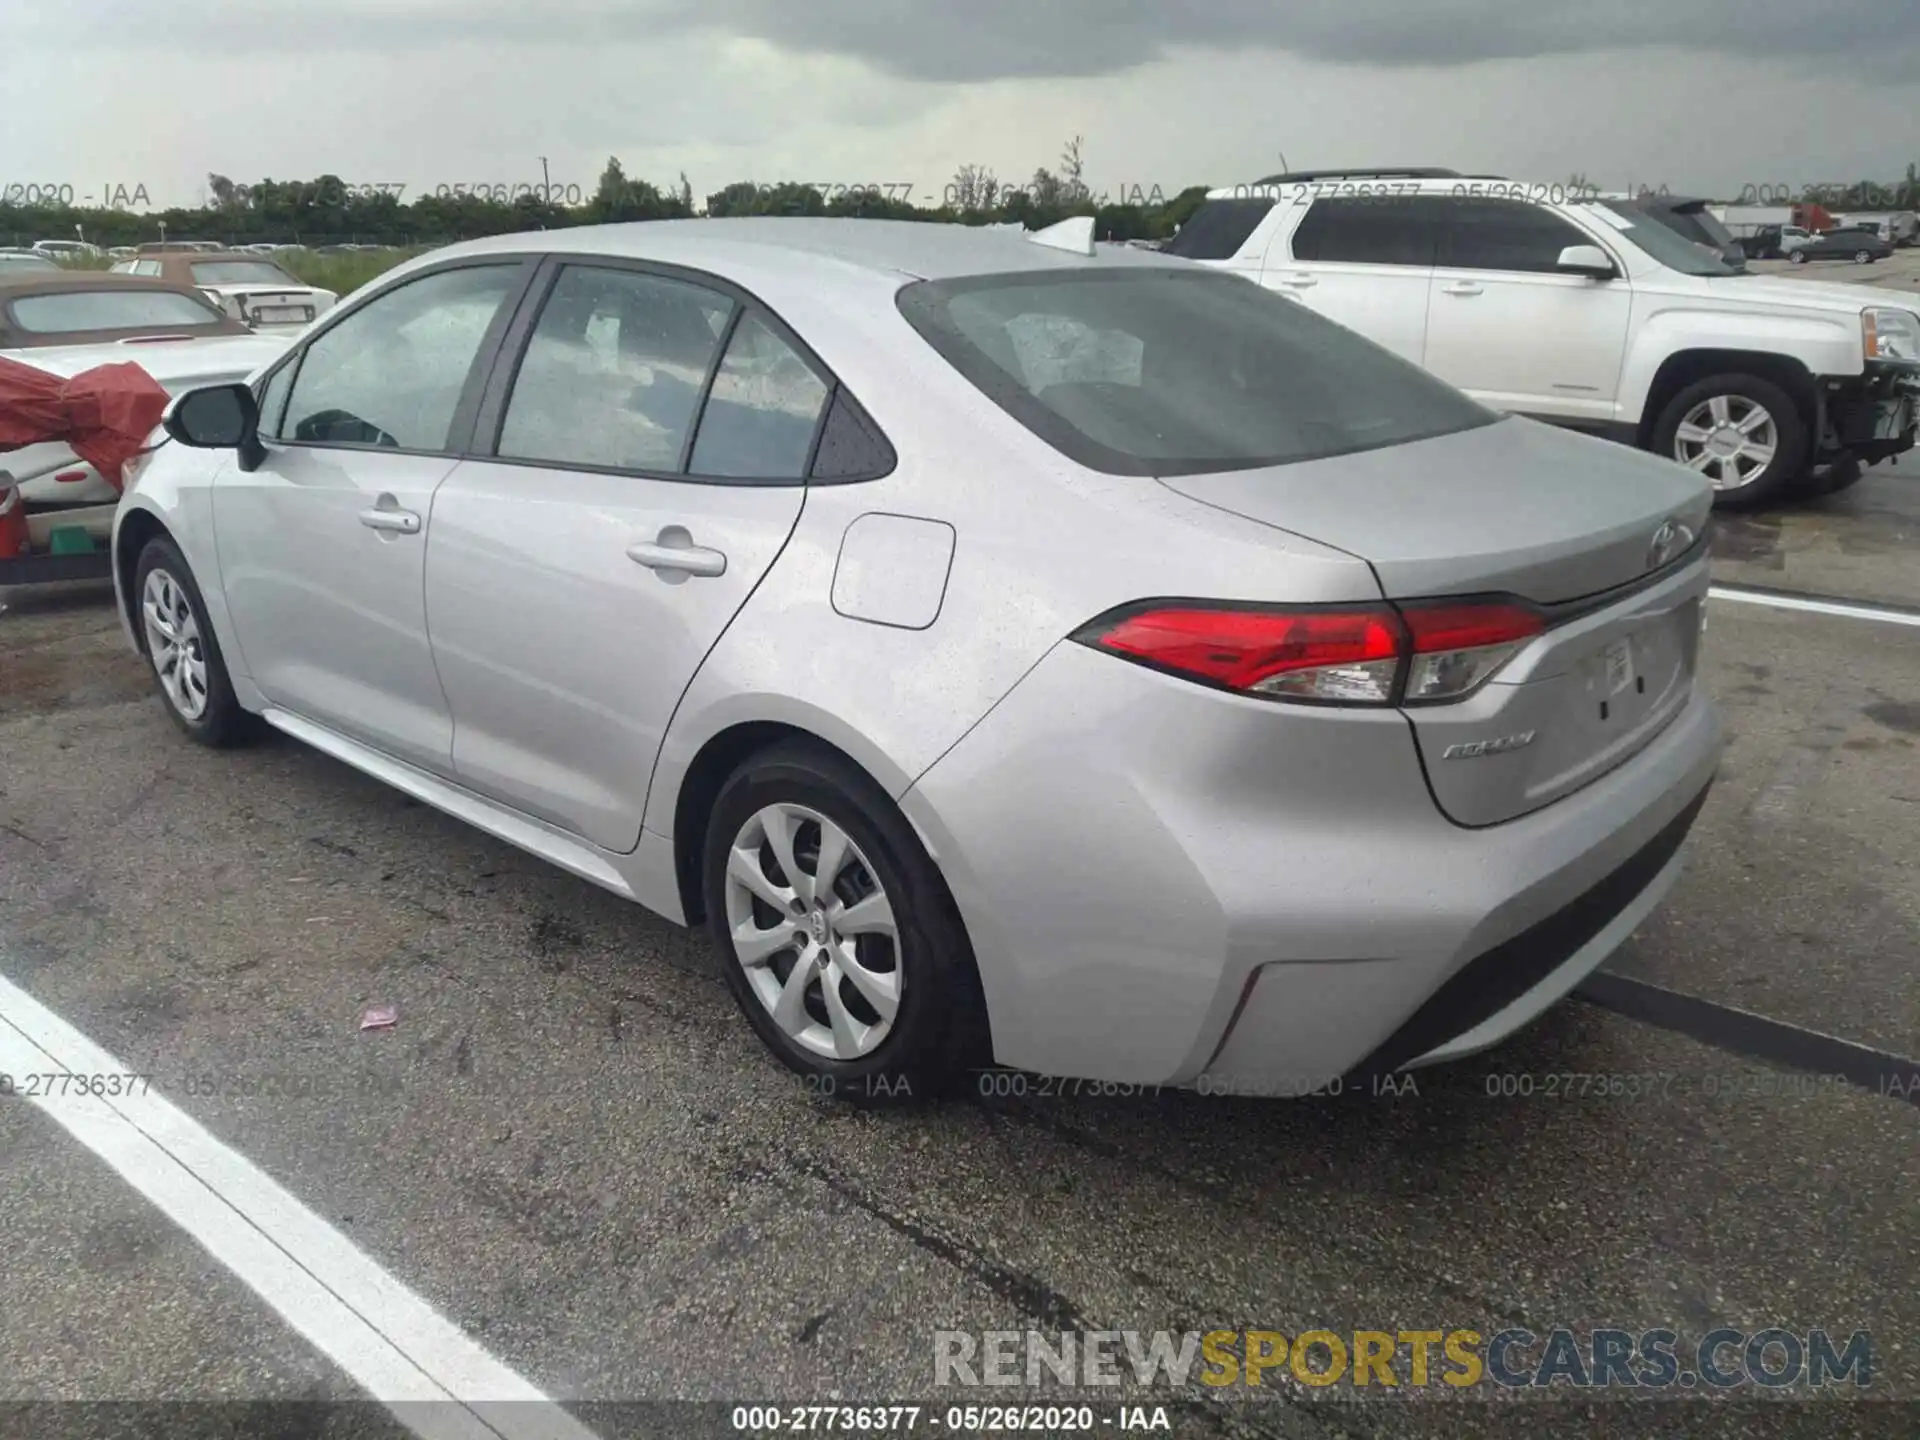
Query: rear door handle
{"x": 675, "y": 551}
{"x": 1464, "y": 287}
{"x": 404, "y": 522}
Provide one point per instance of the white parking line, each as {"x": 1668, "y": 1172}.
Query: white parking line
{"x": 1846, "y": 609}
{"x": 396, "y": 1346}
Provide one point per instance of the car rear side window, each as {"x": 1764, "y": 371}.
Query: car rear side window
{"x": 1400, "y": 231}
{"x": 391, "y": 374}
{"x": 1218, "y": 229}
{"x": 1148, "y": 371}
{"x": 1505, "y": 235}
{"x": 762, "y": 412}
{"x": 613, "y": 371}
{"x": 75, "y": 311}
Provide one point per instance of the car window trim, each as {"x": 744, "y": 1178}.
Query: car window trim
{"x": 491, "y": 416}
{"x": 460, "y": 429}
{"x": 692, "y": 437}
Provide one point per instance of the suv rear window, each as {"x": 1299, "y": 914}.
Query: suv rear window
{"x": 1218, "y": 229}
{"x": 1148, "y": 371}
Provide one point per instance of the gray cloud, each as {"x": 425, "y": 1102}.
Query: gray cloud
{"x": 978, "y": 40}
{"x": 992, "y": 39}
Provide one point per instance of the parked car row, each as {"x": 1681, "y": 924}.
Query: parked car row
{"x": 253, "y": 289}
{"x": 1592, "y": 314}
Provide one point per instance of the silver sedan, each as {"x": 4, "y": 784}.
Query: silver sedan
{"x": 1040, "y": 654}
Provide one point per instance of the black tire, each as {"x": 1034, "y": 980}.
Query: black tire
{"x": 222, "y": 722}
{"x": 939, "y": 1033}
{"x": 1797, "y": 257}
{"x": 1863, "y": 257}
{"x": 1824, "y": 479}
{"x": 1790, "y": 453}
{"x": 1842, "y": 475}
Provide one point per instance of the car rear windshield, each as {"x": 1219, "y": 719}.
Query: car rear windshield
{"x": 75, "y": 311}
{"x": 240, "y": 272}
{"x": 1156, "y": 371}
{"x": 1218, "y": 229}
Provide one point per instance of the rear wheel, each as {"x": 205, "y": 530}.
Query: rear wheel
{"x": 1863, "y": 257}
{"x": 1743, "y": 433}
{"x": 836, "y": 932}
{"x": 1798, "y": 257}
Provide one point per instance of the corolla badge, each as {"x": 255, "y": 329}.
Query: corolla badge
{"x": 1672, "y": 539}
{"x": 1473, "y": 749}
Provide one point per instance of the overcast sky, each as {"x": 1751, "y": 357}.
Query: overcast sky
{"x": 1696, "y": 94}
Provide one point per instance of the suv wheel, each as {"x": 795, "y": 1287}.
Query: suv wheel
{"x": 1742, "y": 432}
{"x": 182, "y": 650}
{"x": 836, "y": 932}
{"x": 1798, "y": 257}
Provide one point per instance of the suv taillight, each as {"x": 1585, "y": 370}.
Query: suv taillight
{"x": 1419, "y": 653}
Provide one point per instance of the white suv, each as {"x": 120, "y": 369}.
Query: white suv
{"x": 1587, "y": 313}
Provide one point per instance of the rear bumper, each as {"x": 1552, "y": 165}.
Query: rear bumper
{"x": 1163, "y": 884}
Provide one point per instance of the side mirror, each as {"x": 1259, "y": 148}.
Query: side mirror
{"x": 218, "y": 417}
{"x": 1588, "y": 260}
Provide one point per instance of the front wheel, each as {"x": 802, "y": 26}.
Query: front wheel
{"x": 1798, "y": 257}
{"x": 1863, "y": 257}
{"x": 182, "y": 650}
{"x": 1743, "y": 433}
{"x": 836, "y": 933}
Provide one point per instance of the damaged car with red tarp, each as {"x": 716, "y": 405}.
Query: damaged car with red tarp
{"x": 88, "y": 363}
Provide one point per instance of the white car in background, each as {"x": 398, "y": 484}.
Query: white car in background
{"x": 253, "y": 289}
{"x": 69, "y": 321}
{"x": 66, "y": 250}
{"x": 1588, "y": 314}
{"x": 26, "y": 262}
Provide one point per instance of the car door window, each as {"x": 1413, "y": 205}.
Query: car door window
{"x": 760, "y": 418}
{"x": 1366, "y": 231}
{"x": 392, "y": 374}
{"x": 613, "y": 371}
{"x": 1505, "y": 235}
{"x": 146, "y": 267}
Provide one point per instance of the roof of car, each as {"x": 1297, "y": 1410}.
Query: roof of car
{"x": 919, "y": 249}
{"x": 46, "y": 280}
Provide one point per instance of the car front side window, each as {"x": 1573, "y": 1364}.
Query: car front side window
{"x": 392, "y": 373}
{"x": 1505, "y": 235}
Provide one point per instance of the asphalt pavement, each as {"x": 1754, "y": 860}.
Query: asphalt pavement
{"x": 570, "y": 1149}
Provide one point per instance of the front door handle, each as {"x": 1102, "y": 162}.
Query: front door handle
{"x": 403, "y": 522}
{"x": 675, "y": 552}
{"x": 1298, "y": 282}
{"x": 1463, "y": 287}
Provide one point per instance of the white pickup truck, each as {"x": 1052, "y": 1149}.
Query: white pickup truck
{"x": 1590, "y": 314}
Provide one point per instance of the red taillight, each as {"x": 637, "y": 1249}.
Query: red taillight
{"x": 1343, "y": 655}
{"x": 1458, "y": 646}
{"x": 1346, "y": 655}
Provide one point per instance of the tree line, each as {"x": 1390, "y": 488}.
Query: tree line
{"x": 330, "y": 210}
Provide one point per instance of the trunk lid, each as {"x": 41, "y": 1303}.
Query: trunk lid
{"x": 1515, "y": 506}
{"x": 1522, "y": 509}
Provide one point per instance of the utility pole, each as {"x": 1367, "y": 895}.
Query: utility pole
{"x": 546, "y": 184}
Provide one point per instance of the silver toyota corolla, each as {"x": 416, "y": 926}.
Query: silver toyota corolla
{"x": 1090, "y": 663}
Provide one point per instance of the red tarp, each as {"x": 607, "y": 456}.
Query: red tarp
{"x": 105, "y": 413}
